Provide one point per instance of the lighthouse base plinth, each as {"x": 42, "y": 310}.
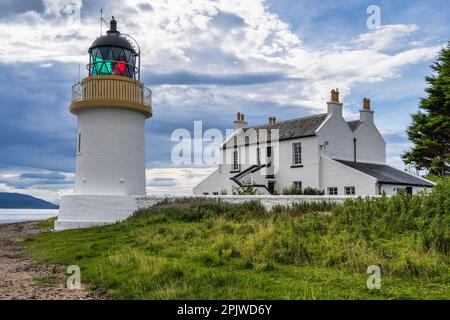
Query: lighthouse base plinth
{"x": 84, "y": 211}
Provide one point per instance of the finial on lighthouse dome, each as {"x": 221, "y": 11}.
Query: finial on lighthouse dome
{"x": 112, "y": 26}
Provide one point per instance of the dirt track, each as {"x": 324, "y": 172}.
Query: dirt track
{"x": 23, "y": 278}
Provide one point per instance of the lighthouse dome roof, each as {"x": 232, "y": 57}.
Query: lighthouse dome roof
{"x": 113, "y": 38}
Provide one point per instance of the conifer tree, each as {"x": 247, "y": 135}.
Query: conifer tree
{"x": 430, "y": 128}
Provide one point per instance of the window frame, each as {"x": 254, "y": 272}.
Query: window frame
{"x": 294, "y": 184}
{"x": 332, "y": 188}
{"x": 297, "y": 154}
{"x": 236, "y": 165}
{"x": 347, "y": 188}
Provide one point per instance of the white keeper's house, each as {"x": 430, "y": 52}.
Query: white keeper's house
{"x": 322, "y": 151}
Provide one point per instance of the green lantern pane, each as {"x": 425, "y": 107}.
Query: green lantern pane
{"x": 101, "y": 67}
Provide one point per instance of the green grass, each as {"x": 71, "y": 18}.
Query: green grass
{"x": 47, "y": 224}
{"x": 209, "y": 250}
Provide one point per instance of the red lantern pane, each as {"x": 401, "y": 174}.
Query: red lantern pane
{"x": 119, "y": 68}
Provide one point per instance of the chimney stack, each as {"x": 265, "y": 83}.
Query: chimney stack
{"x": 272, "y": 120}
{"x": 334, "y": 106}
{"x": 366, "y": 114}
{"x": 239, "y": 123}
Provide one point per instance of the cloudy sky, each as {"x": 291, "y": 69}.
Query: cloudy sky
{"x": 206, "y": 60}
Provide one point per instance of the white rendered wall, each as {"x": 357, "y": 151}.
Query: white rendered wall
{"x": 268, "y": 201}
{"x": 370, "y": 145}
{"x": 339, "y": 136}
{"x": 111, "y": 160}
{"x": 217, "y": 181}
{"x": 336, "y": 174}
{"x": 282, "y": 161}
{"x": 393, "y": 189}
{"x": 308, "y": 173}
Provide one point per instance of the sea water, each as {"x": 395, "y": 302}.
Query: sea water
{"x": 20, "y": 215}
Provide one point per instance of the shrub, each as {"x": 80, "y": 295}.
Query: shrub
{"x": 425, "y": 214}
{"x": 292, "y": 190}
{"x": 313, "y": 191}
{"x": 245, "y": 190}
{"x": 304, "y": 207}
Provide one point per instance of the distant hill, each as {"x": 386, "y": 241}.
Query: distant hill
{"x": 23, "y": 201}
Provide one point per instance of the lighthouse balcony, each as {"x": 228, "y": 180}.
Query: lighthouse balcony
{"x": 111, "y": 91}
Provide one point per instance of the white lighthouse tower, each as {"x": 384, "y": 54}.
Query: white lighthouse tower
{"x": 111, "y": 105}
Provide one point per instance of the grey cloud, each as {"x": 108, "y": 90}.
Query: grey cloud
{"x": 38, "y": 180}
{"x": 162, "y": 182}
{"x": 145, "y": 7}
{"x": 227, "y": 20}
{"x": 71, "y": 36}
{"x": 43, "y": 175}
{"x": 37, "y": 131}
{"x": 191, "y": 78}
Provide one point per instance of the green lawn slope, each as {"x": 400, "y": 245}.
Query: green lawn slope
{"x": 210, "y": 250}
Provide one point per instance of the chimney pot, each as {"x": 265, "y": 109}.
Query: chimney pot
{"x": 239, "y": 122}
{"x": 334, "y": 106}
{"x": 335, "y": 95}
{"x": 366, "y": 104}
{"x": 366, "y": 114}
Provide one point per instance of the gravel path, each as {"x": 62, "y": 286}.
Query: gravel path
{"x": 23, "y": 278}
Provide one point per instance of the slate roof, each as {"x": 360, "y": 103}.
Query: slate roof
{"x": 354, "y": 124}
{"x": 295, "y": 128}
{"x": 386, "y": 174}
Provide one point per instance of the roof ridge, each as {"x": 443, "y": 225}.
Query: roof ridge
{"x": 289, "y": 120}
